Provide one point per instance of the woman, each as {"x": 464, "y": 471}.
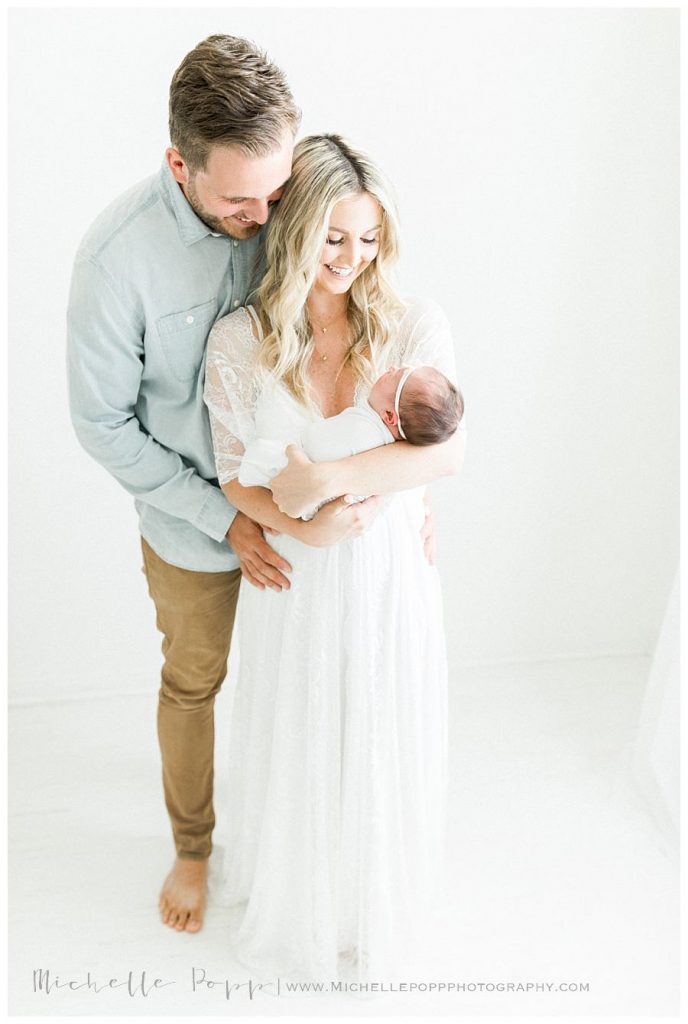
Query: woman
{"x": 338, "y": 737}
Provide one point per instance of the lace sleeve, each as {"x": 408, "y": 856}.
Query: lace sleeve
{"x": 231, "y": 391}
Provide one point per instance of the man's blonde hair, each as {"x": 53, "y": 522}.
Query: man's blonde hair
{"x": 227, "y": 93}
{"x": 326, "y": 170}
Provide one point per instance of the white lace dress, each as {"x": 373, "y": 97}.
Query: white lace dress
{"x": 338, "y": 732}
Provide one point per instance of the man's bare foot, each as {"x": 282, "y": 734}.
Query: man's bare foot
{"x": 183, "y": 895}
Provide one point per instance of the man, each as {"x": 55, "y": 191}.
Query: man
{"x": 154, "y": 272}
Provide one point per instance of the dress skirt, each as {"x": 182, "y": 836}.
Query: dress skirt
{"x": 338, "y": 754}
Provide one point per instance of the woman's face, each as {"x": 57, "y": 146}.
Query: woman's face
{"x": 353, "y": 241}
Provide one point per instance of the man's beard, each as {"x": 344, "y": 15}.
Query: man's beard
{"x": 216, "y": 223}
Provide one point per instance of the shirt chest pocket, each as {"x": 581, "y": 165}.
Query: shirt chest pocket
{"x": 183, "y": 338}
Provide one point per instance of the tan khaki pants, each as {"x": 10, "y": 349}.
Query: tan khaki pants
{"x": 195, "y": 614}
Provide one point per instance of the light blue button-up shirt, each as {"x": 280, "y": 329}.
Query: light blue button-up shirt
{"x": 150, "y": 279}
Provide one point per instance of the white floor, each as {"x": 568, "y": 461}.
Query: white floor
{"x": 562, "y": 873}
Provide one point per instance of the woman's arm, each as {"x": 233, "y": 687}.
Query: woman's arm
{"x": 392, "y": 467}
{"x": 257, "y": 503}
{"x": 335, "y": 522}
{"x": 424, "y": 336}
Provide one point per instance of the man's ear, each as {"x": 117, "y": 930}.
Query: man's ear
{"x": 177, "y": 165}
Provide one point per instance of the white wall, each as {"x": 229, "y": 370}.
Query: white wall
{"x": 535, "y": 156}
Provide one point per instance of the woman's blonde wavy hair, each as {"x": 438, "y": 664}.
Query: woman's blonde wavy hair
{"x": 326, "y": 170}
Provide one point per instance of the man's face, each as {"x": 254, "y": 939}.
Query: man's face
{"x": 234, "y": 191}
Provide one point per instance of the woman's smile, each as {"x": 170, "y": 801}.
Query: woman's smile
{"x": 340, "y": 271}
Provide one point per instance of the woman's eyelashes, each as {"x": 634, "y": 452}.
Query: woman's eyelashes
{"x": 339, "y": 241}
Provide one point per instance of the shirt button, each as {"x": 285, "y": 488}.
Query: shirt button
{"x": 189, "y": 319}
{"x": 235, "y": 303}
{"x": 236, "y": 244}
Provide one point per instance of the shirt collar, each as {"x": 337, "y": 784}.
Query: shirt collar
{"x": 191, "y": 227}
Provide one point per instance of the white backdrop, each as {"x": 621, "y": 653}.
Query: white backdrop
{"x": 535, "y": 157}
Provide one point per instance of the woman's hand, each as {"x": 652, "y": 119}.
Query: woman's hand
{"x": 300, "y": 485}
{"x": 259, "y": 563}
{"x": 340, "y": 520}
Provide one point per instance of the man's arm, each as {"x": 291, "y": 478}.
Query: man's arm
{"x": 105, "y": 357}
{"x": 393, "y": 467}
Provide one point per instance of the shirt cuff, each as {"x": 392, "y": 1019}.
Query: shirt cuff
{"x": 216, "y": 515}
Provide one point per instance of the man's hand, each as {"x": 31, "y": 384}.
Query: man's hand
{"x": 298, "y": 487}
{"x": 260, "y": 564}
{"x": 427, "y": 534}
{"x": 341, "y": 519}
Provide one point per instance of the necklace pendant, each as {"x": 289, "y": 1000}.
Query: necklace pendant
{"x": 324, "y": 330}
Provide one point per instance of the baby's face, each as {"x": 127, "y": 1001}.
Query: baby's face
{"x": 384, "y": 390}
{"x": 382, "y": 393}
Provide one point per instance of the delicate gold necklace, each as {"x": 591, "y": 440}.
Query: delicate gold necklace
{"x": 324, "y": 329}
{"x": 324, "y": 356}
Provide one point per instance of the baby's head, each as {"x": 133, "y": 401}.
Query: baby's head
{"x": 427, "y": 410}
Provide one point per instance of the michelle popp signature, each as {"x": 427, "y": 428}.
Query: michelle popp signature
{"x": 141, "y": 984}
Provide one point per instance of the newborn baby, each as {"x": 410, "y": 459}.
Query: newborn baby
{"x": 415, "y": 403}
